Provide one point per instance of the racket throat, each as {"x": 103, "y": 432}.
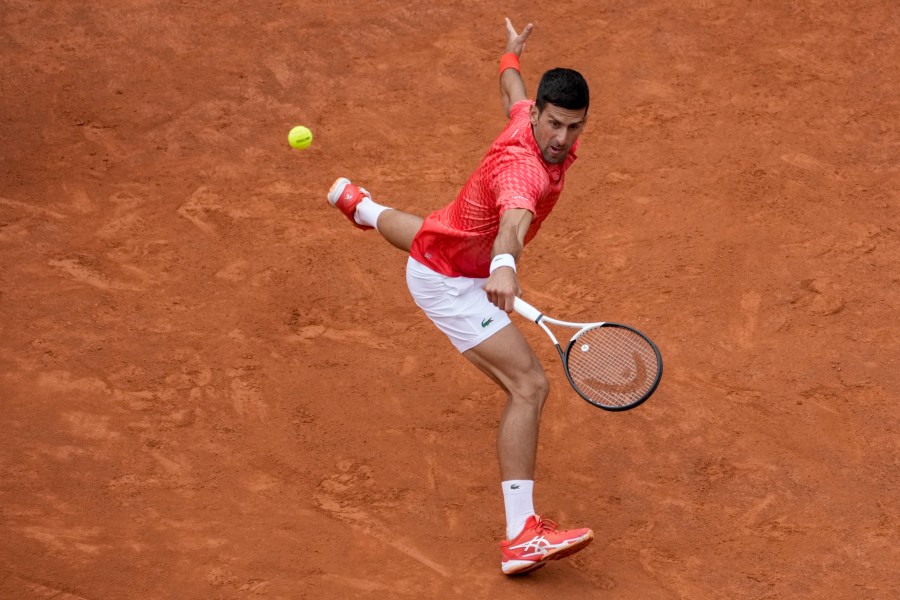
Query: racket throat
{"x": 562, "y": 354}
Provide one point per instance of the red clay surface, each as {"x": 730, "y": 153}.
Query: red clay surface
{"x": 213, "y": 387}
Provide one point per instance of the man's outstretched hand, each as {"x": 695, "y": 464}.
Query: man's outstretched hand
{"x": 516, "y": 41}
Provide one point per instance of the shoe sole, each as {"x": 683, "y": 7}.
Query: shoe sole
{"x": 527, "y": 567}
{"x": 337, "y": 188}
{"x": 561, "y": 553}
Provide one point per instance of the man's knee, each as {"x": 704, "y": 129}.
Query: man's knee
{"x": 531, "y": 388}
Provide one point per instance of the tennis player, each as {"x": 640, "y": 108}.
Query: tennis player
{"x": 462, "y": 274}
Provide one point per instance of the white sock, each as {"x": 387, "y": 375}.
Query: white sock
{"x": 519, "y": 504}
{"x": 367, "y": 212}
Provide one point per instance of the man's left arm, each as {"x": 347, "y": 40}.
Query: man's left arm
{"x": 512, "y": 87}
{"x": 502, "y": 286}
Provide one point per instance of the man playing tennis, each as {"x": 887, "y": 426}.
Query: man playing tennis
{"x": 462, "y": 274}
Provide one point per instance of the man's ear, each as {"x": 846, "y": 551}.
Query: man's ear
{"x": 534, "y": 114}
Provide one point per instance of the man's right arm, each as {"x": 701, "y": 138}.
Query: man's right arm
{"x": 503, "y": 286}
{"x": 512, "y": 87}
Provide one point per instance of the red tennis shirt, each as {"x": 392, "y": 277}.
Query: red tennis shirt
{"x": 457, "y": 239}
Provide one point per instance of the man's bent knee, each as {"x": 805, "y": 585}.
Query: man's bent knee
{"x": 531, "y": 388}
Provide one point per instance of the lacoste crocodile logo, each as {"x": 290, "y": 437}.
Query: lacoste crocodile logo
{"x": 487, "y": 322}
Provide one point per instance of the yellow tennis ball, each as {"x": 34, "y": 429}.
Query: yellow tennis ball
{"x": 300, "y": 137}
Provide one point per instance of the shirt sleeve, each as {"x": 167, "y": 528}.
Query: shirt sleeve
{"x": 516, "y": 109}
{"x": 519, "y": 182}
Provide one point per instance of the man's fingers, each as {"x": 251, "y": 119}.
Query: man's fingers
{"x": 526, "y": 32}
{"x": 514, "y": 35}
{"x": 510, "y": 303}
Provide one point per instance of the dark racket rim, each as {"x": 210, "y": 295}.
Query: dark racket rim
{"x": 637, "y": 402}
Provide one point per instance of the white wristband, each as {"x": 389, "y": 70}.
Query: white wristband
{"x": 503, "y": 260}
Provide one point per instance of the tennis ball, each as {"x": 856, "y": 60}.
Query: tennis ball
{"x": 300, "y": 137}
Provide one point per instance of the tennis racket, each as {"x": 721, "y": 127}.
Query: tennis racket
{"x": 612, "y": 366}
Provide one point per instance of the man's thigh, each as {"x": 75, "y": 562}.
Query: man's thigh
{"x": 507, "y": 358}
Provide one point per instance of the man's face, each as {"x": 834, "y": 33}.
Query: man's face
{"x": 556, "y": 129}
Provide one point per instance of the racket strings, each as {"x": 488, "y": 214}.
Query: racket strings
{"x": 613, "y": 365}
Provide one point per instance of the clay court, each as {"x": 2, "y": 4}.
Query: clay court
{"x": 212, "y": 387}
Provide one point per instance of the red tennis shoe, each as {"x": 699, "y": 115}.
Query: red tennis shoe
{"x": 346, "y": 196}
{"x": 538, "y": 543}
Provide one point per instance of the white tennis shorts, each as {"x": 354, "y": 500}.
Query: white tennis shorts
{"x": 457, "y": 305}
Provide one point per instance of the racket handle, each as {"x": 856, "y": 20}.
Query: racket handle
{"x": 526, "y": 310}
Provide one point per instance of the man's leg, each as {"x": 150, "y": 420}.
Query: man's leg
{"x": 531, "y": 541}
{"x": 397, "y": 227}
{"x": 507, "y": 358}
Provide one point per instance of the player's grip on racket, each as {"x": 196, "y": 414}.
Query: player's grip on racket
{"x": 613, "y": 366}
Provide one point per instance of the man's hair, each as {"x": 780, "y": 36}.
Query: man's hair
{"x": 564, "y": 88}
